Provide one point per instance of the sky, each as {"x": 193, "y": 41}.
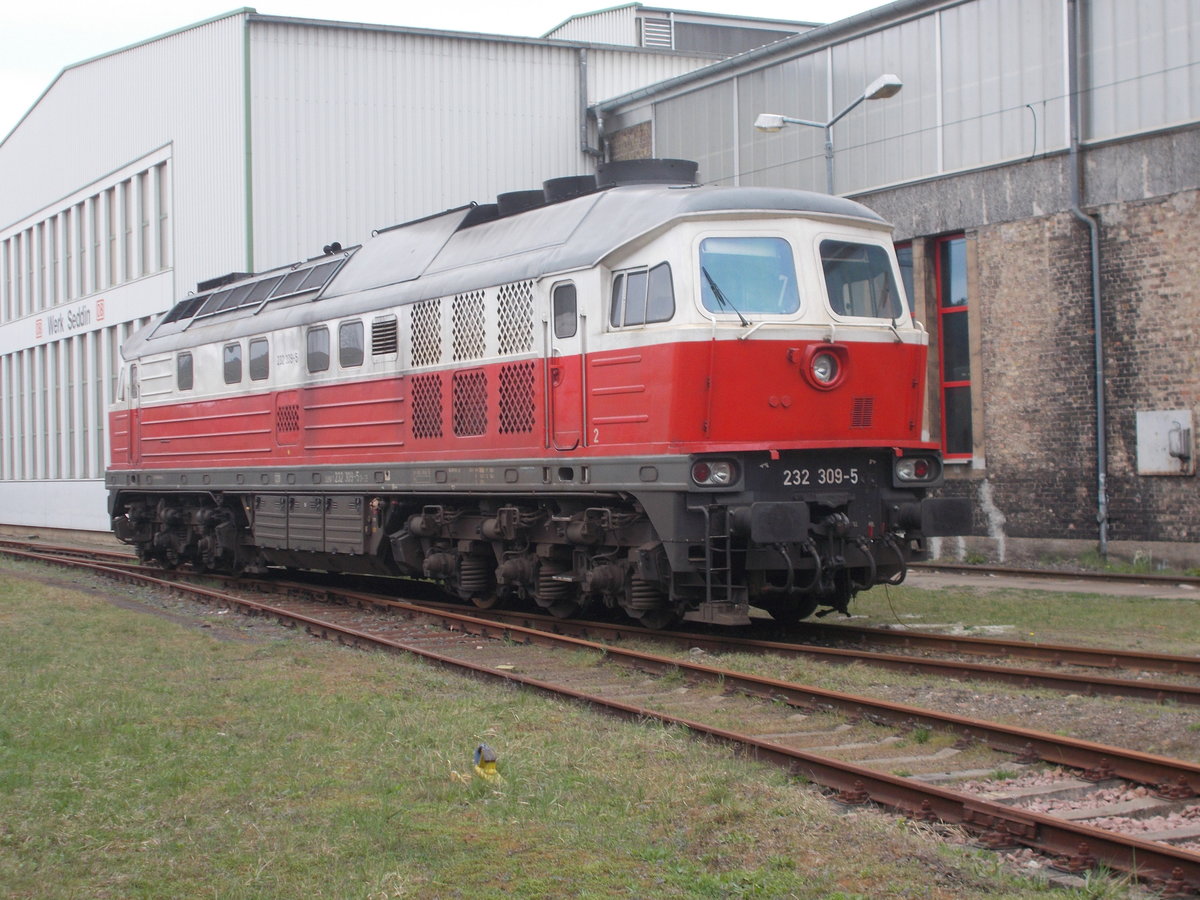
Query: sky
{"x": 39, "y": 39}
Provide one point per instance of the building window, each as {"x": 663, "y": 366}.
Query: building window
{"x": 955, "y": 346}
{"x": 233, "y": 363}
{"x": 904, "y": 258}
{"x": 350, "y": 344}
{"x": 318, "y": 349}
{"x": 260, "y": 360}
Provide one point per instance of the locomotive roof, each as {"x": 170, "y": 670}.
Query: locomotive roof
{"x": 444, "y": 254}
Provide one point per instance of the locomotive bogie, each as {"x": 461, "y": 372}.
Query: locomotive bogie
{"x": 677, "y": 402}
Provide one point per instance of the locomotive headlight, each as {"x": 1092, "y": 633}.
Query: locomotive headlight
{"x": 714, "y": 473}
{"x": 917, "y": 470}
{"x": 825, "y": 368}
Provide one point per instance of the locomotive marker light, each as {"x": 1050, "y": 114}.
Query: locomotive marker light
{"x": 880, "y": 89}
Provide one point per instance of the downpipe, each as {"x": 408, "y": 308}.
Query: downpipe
{"x": 1093, "y": 226}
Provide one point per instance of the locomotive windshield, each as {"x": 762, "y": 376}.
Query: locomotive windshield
{"x": 860, "y": 281}
{"x": 753, "y": 275}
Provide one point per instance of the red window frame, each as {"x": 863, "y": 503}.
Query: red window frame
{"x": 954, "y": 350}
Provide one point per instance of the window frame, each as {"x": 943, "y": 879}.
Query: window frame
{"x": 619, "y": 306}
{"x": 179, "y": 371}
{"x": 344, "y": 353}
{"x": 257, "y": 373}
{"x": 231, "y": 363}
{"x": 309, "y": 349}
{"x": 944, "y": 282}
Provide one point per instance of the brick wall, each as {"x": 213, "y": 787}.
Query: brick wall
{"x": 634, "y": 142}
{"x": 1035, "y": 372}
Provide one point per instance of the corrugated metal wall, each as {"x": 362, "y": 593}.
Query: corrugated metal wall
{"x": 985, "y": 82}
{"x": 608, "y": 26}
{"x": 1142, "y": 64}
{"x": 358, "y": 128}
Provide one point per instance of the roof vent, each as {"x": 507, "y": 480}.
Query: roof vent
{"x": 519, "y": 201}
{"x": 480, "y": 213}
{"x": 221, "y": 281}
{"x": 568, "y": 187}
{"x": 646, "y": 171}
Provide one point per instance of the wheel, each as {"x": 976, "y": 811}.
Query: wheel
{"x": 656, "y": 619}
{"x": 789, "y": 612}
{"x": 563, "y": 609}
{"x": 490, "y": 600}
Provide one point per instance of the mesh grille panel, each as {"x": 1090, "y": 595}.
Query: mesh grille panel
{"x": 467, "y": 326}
{"x": 427, "y": 406}
{"x": 516, "y": 398}
{"x": 427, "y": 333}
{"x": 470, "y": 403}
{"x": 516, "y": 317}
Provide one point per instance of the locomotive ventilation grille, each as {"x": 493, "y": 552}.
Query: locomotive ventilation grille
{"x": 427, "y": 333}
{"x": 467, "y": 326}
{"x": 863, "y": 413}
{"x": 516, "y": 398}
{"x": 427, "y": 406}
{"x": 287, "y": 419}
{"x": 515, "y": 306}
{"x": 470, "y": 403}
{"x": 385, "y": 335}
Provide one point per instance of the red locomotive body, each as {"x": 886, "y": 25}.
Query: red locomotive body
{"x": 681, "y": 401}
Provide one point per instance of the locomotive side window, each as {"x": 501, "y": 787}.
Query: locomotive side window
{"x": 860, "y": 280}
{"x": 233, "y": 363}
{"x": 351, "y": 343}
{"x": 642, "y": 296}
{"x": 740, "y": 275}
{"x": 183, "y": 371}
{"x": 318, "y": 349}
{"x": 566, "y": 318}
{"x": 260, "y": 359}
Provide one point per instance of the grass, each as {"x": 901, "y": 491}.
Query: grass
{"x": 1125, "y": 622}
{"x": 145, "y": 758}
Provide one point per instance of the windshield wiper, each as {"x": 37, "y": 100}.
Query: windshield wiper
{"x": 722, "y": 299}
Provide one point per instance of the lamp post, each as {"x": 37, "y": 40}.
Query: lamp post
{"x": 880, "y": 89}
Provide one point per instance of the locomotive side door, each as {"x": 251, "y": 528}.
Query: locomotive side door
{"x": 134, "y": 432}
{"x": 564, "y": 370}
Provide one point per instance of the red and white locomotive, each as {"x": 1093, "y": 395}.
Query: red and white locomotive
{"x": 676, "y": 400}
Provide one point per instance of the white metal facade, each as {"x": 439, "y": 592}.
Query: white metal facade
{"x": 240, "y": 143}
{"x": 985, "y": 83}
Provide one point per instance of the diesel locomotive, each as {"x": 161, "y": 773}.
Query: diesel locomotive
{"x": 624, "y": 391}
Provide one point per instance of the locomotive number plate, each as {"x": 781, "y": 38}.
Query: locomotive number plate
{"x": 820, "y": 476}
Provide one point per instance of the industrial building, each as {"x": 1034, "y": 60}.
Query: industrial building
{"x": 1041, "y": 162}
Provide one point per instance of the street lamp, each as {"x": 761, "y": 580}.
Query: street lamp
{"x": 880, "y": 89}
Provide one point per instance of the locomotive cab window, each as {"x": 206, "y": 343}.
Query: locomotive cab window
{"x": 318, "y": 349}
{"x": 233, "y": 363}
{"x": 642, "y": 296}
{"x": 260, "y": 359}
{"x": 183, "y": 371}
{"x": 860, "y": 281}
{"x": 566, "y": 318}
{"x": 351, "y": 344}
{"x": 748, "y": 276}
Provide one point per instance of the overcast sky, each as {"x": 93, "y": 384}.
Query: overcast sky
{"x": 39, "y": 39}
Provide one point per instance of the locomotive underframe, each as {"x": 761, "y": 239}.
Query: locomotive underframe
{"x": 652, "y": 544}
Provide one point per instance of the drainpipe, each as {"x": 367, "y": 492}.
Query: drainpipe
{"x": 1093, "y": 226}
{"x": 584, "y": 146}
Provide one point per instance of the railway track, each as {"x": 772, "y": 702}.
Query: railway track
{"x": 850, "y": 744}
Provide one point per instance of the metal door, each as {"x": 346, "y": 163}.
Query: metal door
{"x": 564, "y": 371}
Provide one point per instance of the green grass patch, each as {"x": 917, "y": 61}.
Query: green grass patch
{"x": 1138, "y": 623}
{"x": 143, "y": 758}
